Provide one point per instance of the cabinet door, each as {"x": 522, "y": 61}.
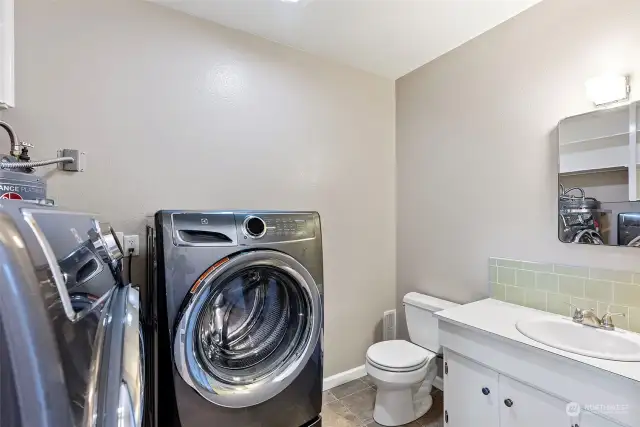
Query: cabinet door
{"x": 525, "y": 406}
{"x": 471, "y": 393}
{"x": 6, "y": 54}
{"x": 588, "y": 419}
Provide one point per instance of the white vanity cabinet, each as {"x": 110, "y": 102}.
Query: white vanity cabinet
{"x": 6, "y": 54}
{"x": 472, "y": 396}
{"x": 496, "y": 376}
{"x": 477, "y": 395}
{"x": 587, "y": 419}
{"x": 525, "y": 406}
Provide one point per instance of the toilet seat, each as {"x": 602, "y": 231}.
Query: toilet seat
{"x": 398, "y": 356}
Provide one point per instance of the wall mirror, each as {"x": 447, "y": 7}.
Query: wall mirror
{"x": 599, "y": 177}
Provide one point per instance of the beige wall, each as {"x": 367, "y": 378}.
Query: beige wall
{"x": 476, "y": 155}
{"x": 174, "y": 112}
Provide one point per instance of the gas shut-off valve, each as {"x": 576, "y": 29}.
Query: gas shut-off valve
{"x": 17, "y": 178}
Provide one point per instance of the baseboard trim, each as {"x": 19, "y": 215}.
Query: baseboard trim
{"x": 343, "y": 377}
{"x": 438, "y": 383}
{"x": 359, "y": 372}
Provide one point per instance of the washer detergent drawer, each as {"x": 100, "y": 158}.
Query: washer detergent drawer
{"x": 204, "y": 229}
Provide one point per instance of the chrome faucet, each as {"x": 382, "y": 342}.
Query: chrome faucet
{"x": 588, "y": 317}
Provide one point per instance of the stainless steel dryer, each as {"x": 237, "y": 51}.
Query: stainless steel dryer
{"x": 70, "y": 345}
{"x": 237, "y": 304}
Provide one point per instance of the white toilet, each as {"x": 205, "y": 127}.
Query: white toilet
{"x": 404, "y": 371}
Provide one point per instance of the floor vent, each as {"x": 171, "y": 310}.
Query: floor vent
{"x": 389, "y": 325}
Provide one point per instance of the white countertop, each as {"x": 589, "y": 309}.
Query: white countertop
{"x": 499, "y": 318}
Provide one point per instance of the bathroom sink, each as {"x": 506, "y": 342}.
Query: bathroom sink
{"x": 564, "y": 334}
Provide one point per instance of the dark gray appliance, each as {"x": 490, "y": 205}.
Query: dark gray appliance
{"x": 70, "y": 344}
{"x": 629, "y": 229}
{"x": 237, "y": 308}
{"x": 579, "y": 217}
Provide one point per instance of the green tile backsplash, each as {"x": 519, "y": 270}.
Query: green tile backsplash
{"x": 550, "y": 287}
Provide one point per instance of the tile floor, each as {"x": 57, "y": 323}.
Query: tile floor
{"x": 351, "y": 405}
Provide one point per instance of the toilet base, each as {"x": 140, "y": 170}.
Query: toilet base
{"x": 397, "y": 407}
{"x": 402, "y": 396}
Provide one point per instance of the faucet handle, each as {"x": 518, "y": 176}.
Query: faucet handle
{"x": 578, "y": 308}
{"x": 607, "y": 322}
{"x": 578, "y": 311}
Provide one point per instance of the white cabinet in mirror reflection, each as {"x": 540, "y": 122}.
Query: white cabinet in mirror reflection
{"x": 601, "y": 141}
{"x": 7, "y": 97}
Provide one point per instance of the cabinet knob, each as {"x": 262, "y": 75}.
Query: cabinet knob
{"x": 485, "y": 391}
{"x": 508, "y": 402}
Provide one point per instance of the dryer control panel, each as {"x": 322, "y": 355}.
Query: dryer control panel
{"x": 275, "y": 227}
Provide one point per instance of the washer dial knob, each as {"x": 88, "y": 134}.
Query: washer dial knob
{"x": 254, "y": 227}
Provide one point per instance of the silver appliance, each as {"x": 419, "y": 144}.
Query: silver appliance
{"x": 70, "y": 344}
{"x": 579, "y": 217}
{"x": 236, "y": 304}
{"x": 17, "y": 181}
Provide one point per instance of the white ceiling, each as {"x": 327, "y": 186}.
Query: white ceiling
{"x": 386, "y": 37}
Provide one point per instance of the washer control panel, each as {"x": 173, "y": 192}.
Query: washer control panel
{"x": 276, "y": 227}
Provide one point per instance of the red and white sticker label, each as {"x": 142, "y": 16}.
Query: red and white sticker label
{"x": 11, "y": 196}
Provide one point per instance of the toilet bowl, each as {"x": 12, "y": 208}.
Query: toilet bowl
{"x": 403, "y": 374}
{"x": 404, "y": 371}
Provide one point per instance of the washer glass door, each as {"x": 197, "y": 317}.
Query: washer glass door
{"x": 248, "y": 327}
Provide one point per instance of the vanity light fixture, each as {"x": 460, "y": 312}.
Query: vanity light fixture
{"x": 607, "y": 89}
{"x": 289, "y": 1}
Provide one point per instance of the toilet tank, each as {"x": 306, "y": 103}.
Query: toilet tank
{"x": 422, "y": 325}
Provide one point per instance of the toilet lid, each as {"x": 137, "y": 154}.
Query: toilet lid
{"x": 398, "y": 355}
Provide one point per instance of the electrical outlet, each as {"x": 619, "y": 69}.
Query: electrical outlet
{"x": 131, "y": 242}
{"x": 389, "y": 325}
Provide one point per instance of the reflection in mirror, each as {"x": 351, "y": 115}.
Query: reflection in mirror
{"x": 598, "y": 199}
{"x": 580, "y": 217}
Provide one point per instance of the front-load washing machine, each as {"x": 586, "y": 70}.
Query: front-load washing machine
{"x": 236, "y": 309}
